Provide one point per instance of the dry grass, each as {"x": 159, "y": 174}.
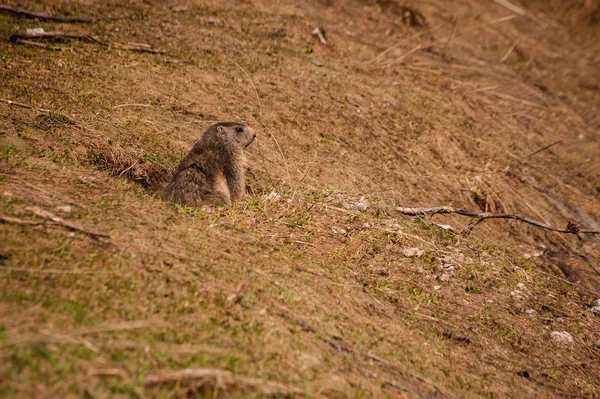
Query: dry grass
{"x": 305, "y": 292}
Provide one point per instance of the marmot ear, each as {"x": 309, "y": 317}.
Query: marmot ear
{"x": 220, "y": 129}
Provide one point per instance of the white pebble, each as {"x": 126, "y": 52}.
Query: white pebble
{"x": 562, "y": 337}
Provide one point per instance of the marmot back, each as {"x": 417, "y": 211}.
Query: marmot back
{"x": 213, "y": 171}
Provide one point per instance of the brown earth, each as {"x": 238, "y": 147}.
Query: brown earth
{"x": 302, "y": 293}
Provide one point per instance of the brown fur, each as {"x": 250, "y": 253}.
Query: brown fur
{"x": 213, "y": 171}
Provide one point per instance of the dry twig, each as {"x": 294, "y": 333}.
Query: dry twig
{"x": 572, "y": 227}
{"x": 545, "y": 148}
{"x": 122, "y": 325}
{"x": 220, "y": 379}
{"x": 140, "y": 47}
{"x": 53, "y": 35}
{"x": 9, "y": 219}
{"x": 24, "y": 38}
{"x": 49, "y": 337}
{"x": 49, "y": 17}
{"x": 37, "y": 44}
{"x": 41, "y": 110}
{"x": 320, "y": 34}
{"x": 58, "y": 220}
{"x": 50, "y": 271}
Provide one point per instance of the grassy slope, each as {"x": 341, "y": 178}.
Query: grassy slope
{"x": 304, "y": 291}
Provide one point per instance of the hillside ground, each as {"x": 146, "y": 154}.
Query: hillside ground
{"x": 313, "y": 285}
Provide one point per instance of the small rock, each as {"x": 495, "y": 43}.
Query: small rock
{"x": 531, "y": 312}
{"x": 272, "y": 196}
{"x": 233, "y": 297}
{"x": 35, "y": 30}
{"x": 412, "y": 252}
{"x": 445, "y": 227}
{"x": 598, "y": 344}
{"x": 445, "y": 277}
{"x": 436, "y": 287}
{"x": 7, "y": 194}
{"x": 65, "y": 209}
{"x": 362, "y": 204}
{"x": 521, "y": 286}
{"x": 561, "y": 337}
{"x": 338, "y": 230}
{"x": 449, "y": 267}
{"x": 214, "y": 21}
{"x": 317, "y": 62}
{"x": 596, "y": 310}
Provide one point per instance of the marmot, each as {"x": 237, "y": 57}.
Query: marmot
{"x": 213, "y": 171}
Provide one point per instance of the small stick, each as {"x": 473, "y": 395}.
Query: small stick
{"x": 48, "y": 17}
{"x": 219, "y": 377}
{"x": 49, "y": 271}
{"x": 17, "y": 104}
{"x": 132, "y": 105}
{"x": 141, "y": 47}
{"x": 53, "y": 35}
{"x": 47, "y": 336}
{"x": 572, "y": 228}
{"x": 545, "y": 148}
{"x": 122, "y": 326}
{"x": 508, "y": 53}
{"x": 58, "y": 220}
{"x": 41, "y": 45}
{"x": 42, "y": 110}
{"x": 129, "y": 168}
{"x": 9, "y": 219}
{"x": 317, "y": 32}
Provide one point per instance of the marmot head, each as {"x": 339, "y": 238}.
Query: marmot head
{"x": 230, "y": 135}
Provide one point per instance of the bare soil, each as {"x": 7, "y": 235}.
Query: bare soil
{"x": 311, "y": 286}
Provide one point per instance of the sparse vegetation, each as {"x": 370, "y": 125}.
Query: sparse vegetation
{"x": 306, "y": 292}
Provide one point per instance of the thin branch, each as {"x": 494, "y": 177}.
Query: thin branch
{"x": 23, "y": 38}
{"x": 49, "y": 17}
{"x": 41, "y": 45}
{"x": 572, "y": 227}
{"x": 58, "y": 220}
{"x": 9, "y": 219}
{"x": 48, "y": 337}
{"x": 41, "y": 110}
{"x": 122, "y": 326}
{"x": 140, "y": 47}
{"x": 508, "y": 53}
{"x": 27, "y": 106}
{"x": 54, "y": 35}
{"x": 50, "y": 271}
{"x": 220, "y": 378}
{"x": 545, "y": 148}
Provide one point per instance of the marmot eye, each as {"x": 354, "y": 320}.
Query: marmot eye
{"x": 239, "y": 129}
